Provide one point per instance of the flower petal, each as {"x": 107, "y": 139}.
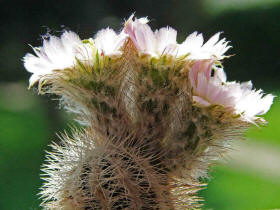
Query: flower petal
{"x": 55, "y": 54}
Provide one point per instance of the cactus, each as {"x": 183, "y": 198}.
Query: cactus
{"x": 154, "y": 114}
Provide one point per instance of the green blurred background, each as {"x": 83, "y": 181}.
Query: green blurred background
{"x": 248, "y": 179}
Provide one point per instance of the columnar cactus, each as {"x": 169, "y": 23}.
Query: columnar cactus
{"x": 154, "y": 115}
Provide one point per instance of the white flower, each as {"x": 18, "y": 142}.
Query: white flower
{"x": 210, "y": 87}
{"x": 148, "y": 42}
{"x": 166, "y": 41}
{"x": 250, "y": 102}
{"x": 55, "y": 54}
{"x": 212, "y": 49}
{"x": 109, "y": 43}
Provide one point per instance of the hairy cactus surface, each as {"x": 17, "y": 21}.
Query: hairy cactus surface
{"x": 154, "y": 115}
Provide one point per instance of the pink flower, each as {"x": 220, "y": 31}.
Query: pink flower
{"x": 163, "y": 41}
{"x": 148, "y": 42}
{"x": 210, "y": 87}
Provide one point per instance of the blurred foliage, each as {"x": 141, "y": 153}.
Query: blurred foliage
{"x": 28, "y": 122}
{"x": 230, "y": 189}
{"x": 24, "y": 135}
{"x": 217, "y": 7}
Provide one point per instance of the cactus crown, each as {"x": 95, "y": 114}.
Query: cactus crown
{"x": 155, "y": 114}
